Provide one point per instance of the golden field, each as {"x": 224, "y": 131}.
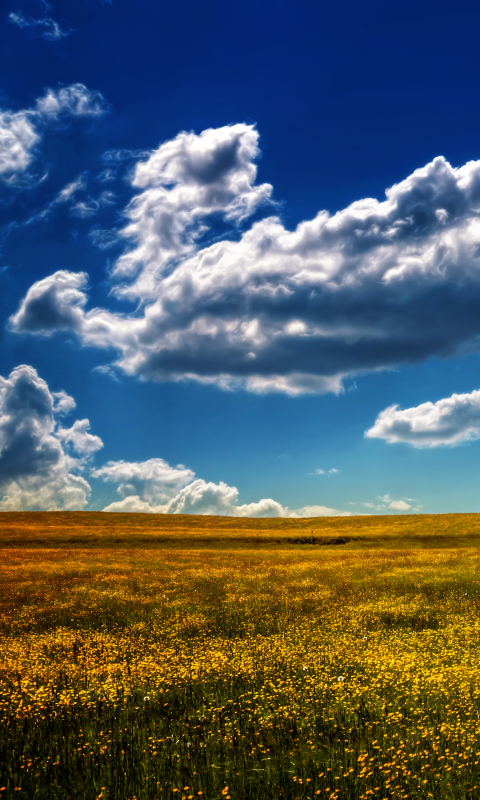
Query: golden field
{"x": 200, "y": 657}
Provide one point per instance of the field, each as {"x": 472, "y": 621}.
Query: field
{"x": 189, "y": 658}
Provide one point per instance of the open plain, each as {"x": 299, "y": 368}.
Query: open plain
{"x": 188, "y": 658}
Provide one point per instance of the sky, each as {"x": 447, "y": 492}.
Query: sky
{"x": 240, "y": 257}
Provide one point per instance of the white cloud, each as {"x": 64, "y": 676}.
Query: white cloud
{"x": 54, "y": 303}
{"x": 451, "y": 421}
{"x": 78, "y": 436}
{"x": 290, "y": 311}
{"x": 20, "y": 131}
{"x": 18, "y": 138}
{"x": 62, "y": 402}
{"x": 155, "y": 487}
{"x": 318, "y": 511}
{"x": 399, "y": 505}
{"x": 45, "y": 28}
{"x": 85, "y": 207}
{"x": 185, "y": 181}
{"x": 103, "y": 239}
{"x": 37, "y": 471}
{"x": 331, "y": 471}
{"x": 107, "y": 175}
{"x": 153, "y": 480}
{"x": 75, "y": 99}
{"x": 90, "y": 206}
{"x": 387, "y": 502}
{"x": 70, "y": 190}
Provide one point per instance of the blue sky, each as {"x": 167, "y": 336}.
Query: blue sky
{"x": 209, "y": 304}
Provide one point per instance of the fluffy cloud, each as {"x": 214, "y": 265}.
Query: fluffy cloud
{"x": 399, "y": 505}
{"x": 79, "y": 438}
{"x": 185, "y": 181}
{"x": 152, "y": 480}
{"x": 18, "y": 138}
{"x": 275, "y": 310}
{"x": 52, "y": 304}
{"x": 37, "y": 465}
{"x": 45, "y": 28}
{"x": 450, "y": 421}
{"x": 20, "y": 132}
{"x": 154, "y": 486}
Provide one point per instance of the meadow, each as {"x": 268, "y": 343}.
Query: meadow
{"x": 202, "y": 658}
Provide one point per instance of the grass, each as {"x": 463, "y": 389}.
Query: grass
{"x": 206, "y": 658}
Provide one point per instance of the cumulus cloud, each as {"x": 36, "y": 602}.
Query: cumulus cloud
{"x": 451, "y": 421}
{"x": 55, "y": 303}
{"x": 399, "y": 505}
{"x": 270, "y": 309}
{"x": 79, "y": 438}
{"x": 21, "y": 131}
{"x": 153, "y": 480}
{"x": 45, "y": 28}
{"x": 154, "y": 486}
{"x": 37, "y": 469}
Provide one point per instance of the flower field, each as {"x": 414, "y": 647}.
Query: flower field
{"x": 261, "y": 666}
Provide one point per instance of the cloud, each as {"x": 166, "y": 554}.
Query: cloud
{"x": 18, "y": 138}
{"x": 331, "y": 471}
{"x": 399, "y": 505}
{"x": 52, "y": 304}
{"x": 119, "y": 156}
{"x": 90, "y": 206}
{"x": 387, "y": 502}
{"x": 21, "y": 131}
{"x": 82, "y": 208}
{"x": 153, "y": 480}
{"x": 76, "y": 100}
{"x": 70, "y": 190}
{"x": 45, "y": 28}
{"x": 103, "y": 239}
{"x": 448, "y": 422}
{"x": 79, "y": 438}
{"x": 154, "y": 486}
{"x": 269, "y": 309}
{"x": 37, "y": 462}
{"x": 107, "y": 175}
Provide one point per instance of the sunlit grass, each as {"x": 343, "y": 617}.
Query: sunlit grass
{"x": 251, "y": 669}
